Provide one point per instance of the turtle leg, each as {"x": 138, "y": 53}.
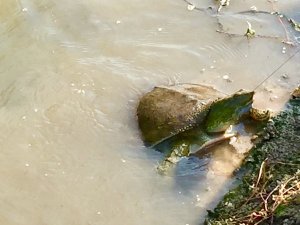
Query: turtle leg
{"x": 189, "y": 142}
{"x": 202, "y": 140}
{"x": 179, "y": 150}
{"x": 214, "y": 141}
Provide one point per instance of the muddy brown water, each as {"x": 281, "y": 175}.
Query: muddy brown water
{"x": 71, "y": 76}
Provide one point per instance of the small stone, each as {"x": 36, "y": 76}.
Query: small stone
{"x": 98, "y": 213}
{"x": 118, "y": 22}
{"x": 159, "y": 29}
{"x": 123, "y": 160}
{"x": 24, "y": 9}
{"x": 26, "y": 164}
{"x": 254, "y": 137}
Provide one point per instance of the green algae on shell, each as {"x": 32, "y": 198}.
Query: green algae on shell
{"x": 228, "y": 111}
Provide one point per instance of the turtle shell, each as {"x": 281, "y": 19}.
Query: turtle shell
{"x": 168, "y": 110}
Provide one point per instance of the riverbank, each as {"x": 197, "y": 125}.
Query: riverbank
{"x": 269, "y": 189}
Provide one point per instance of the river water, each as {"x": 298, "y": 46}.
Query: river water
{"x": 71, "y": 76}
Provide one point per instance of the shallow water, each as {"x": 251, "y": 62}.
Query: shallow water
{"x": 71, "y": 76}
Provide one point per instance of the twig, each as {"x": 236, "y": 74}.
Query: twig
{"x": 261, "y": 170}
{"x": 257, "y": 35}
{"x": 285, "y": 163}
{"x": 280, "y": 20}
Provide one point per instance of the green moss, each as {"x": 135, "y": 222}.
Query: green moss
{"x": 274, "y": 160}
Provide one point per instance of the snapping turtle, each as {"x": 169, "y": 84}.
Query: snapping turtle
{"x": 184, "y": 118}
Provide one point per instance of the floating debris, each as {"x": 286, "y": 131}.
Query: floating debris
{"x": 283, "y": 50}
{"x": 159, "y": 29}
{"x": 227, "y": 78}
{"x": 208, "y": 189}
{"x": 250, "y": 32}
{"x": 223, "y": 3}
{"x": 118, "y": 22}
{"x": 295, "y": 24}
{"x": 254, "y": 8}
{"x": 191, "y": 7}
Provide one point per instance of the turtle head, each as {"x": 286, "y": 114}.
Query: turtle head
{"x": 228, "y": 111}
